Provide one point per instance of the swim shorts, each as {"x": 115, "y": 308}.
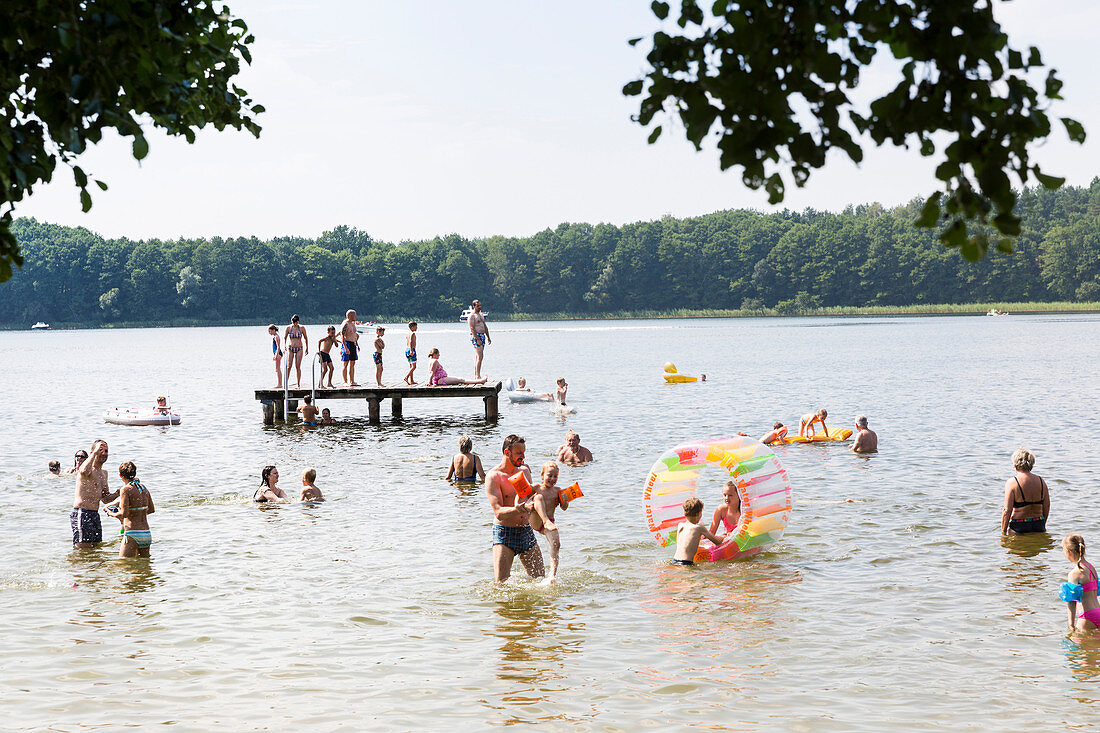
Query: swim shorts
{"x": 349, "y": 351}
{"x": 378, "y": 357}
{"x": 86, "y": 525}
{"x": 410, "y": 354}
{"x": 324, "y": 357}
{"x": 517, "y": 539}
{"x": 1029, "y": 525}
{"x": 681, "y": 562}
{"x": 478, "y": 340}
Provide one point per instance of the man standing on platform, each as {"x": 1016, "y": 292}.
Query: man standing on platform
{"x": 512, "y": 533}
{"x": 91, "y": 490}
{"x": 349, "y": 351}
{"x": 479, "y": 336}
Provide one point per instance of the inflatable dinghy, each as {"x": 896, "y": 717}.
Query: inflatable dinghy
{"x": 525, "y": 397}
{"x": 133, "y": 416}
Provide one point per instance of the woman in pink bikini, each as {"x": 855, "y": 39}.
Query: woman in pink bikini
{"x": 1081, "y": 588}
{"x": 438, "y": 377}
{"x": 728, "y": 512}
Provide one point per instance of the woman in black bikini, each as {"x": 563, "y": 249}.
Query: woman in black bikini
{"x": 1027, "y": 500}
{"x": 269, "y": 486}
{"x": 466, "y": 466}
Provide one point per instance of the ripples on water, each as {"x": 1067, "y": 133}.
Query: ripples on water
{"x": 891, "y": 602}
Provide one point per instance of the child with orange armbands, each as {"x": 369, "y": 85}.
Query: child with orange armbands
{"x": 546, "y": 500}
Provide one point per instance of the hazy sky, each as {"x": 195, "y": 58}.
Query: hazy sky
{"x": 416, "y": 119}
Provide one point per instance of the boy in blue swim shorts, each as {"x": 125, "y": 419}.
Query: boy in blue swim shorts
{"x": 410, "y": 352}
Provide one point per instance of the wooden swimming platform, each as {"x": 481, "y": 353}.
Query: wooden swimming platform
{"x": 276, "y": 403}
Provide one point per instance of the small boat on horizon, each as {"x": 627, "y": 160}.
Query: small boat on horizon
{"x": 40, "y": 326}
{"x": 467, "y": 313}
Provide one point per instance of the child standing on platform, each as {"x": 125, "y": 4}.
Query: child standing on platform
{"x": 379, "y": 344}
{"x": 410, "y": 352}
{"x": 324, "y": 346}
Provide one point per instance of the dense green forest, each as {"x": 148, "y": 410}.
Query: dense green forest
{"x": 786, "y": 261}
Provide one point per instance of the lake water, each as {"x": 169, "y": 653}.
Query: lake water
{"x": 902, "y": 608}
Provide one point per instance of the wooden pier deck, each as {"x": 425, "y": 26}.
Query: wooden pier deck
{"x": 272, "y": 400}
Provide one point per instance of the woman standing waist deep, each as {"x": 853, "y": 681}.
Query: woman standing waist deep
{"x": 1027, "y": 500}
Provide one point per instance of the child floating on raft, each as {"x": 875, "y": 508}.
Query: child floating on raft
{"x": 690, "y": 532}
{"x": 775, "y": 435}
{"x": 809, "y": 421}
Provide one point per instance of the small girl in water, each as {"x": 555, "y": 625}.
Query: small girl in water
{"x": 728, "y": 512}
{"x": 269, "y": 486}
{"x": 1081, "y": 587}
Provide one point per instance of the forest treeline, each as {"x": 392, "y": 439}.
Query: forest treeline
{"x": 786, "y": 261}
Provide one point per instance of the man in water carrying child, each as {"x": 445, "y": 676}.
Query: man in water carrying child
{"x": 512, "y": 533}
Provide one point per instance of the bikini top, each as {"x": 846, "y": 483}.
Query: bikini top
{"x": 1042, "y": 494}
{"x": 296, "y": 334}
{"x": 141, "y": 490}
{"x": 1090, "y": 585}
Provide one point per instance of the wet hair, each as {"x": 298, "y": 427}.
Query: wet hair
{"x": 264, "y": 474}
{"x": 294, "y": 318}
{"x": 308, "y": 400}
{"x": 326, "y": 411}
{"x": 127, "y": 470}
{"x": 465, "y": 444}
{"x": 861, "y": 421}
{"x": 777, "y": 425}
{"x": 733, "y": 485}
{"x": 1023, "y": 460}
{"x": 1074, "y": 544}
{"x": 81, "y": 454}
{"x": 823, "y": 413}
{"x": 412, "y": 323}
{"x": 693, "y": 507}
{"x": 512, "y": 440}
{"x": 272, "y": 326}
{"x": 433, "y": 352}
{"x": 310, "y": 474}
{"x": 55, "y": 466}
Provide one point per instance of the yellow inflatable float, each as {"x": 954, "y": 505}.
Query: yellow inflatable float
{"x": 673, "y": 378}
{"x": 831, "y": 436}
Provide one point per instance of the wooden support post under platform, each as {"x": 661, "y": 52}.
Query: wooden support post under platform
{"x": 283, "y": 404}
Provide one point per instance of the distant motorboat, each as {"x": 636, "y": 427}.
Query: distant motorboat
{"x": 40, "y": 326}
{"x": 467, "y": 313}
{"x": 995, "y": 312}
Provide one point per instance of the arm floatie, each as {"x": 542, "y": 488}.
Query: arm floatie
{"x": 1070, "y": 592}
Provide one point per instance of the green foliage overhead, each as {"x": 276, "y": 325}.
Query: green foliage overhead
{"x": 771, "y": 81}
{"x": 788, "y": 262}
{"x": 71, "y": 70}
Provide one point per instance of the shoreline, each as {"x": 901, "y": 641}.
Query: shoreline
{"x": 942, "y": 309}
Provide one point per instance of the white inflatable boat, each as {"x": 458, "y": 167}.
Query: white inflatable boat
{"x": 133, "y": 416}
{"x": 524, "y": 397}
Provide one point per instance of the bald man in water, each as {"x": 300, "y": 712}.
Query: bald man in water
{"x": 91, "y": 490}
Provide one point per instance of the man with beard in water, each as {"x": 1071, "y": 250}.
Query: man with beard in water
{"x": 91, "y": 490}
{"x": 512, "y": 533}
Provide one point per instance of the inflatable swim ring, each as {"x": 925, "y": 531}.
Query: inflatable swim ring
{"x": 762, "y": 484}
{"x": 133, "y": 416}
{"x": 833, "y": 436}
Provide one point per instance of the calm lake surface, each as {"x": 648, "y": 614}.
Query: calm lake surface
{"x": 902, "y": 609}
